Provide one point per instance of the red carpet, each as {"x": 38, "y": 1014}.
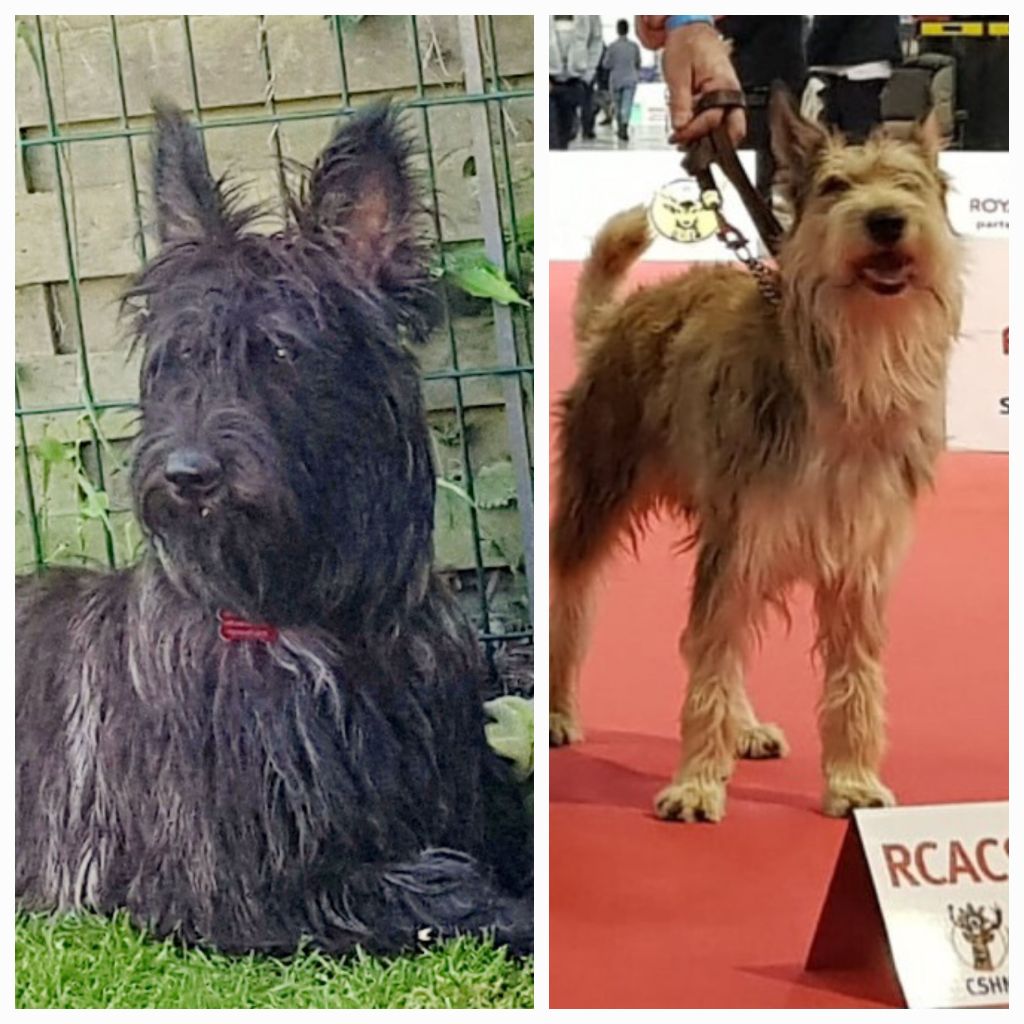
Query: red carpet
{"x": 648, "y": 914}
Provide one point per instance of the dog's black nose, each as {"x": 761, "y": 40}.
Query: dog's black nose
{"x": 192, "y": 470}
{"x": 886, "y": 226}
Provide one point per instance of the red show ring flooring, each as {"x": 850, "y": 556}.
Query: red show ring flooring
{"x": 649, "y": 914}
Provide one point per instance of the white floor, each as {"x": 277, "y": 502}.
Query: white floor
{"x": 640, "y": 137}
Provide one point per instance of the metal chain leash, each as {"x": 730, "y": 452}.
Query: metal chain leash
{"x": 766, "y": 277}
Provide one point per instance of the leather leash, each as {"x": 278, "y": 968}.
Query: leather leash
{"x": 717, "y": 148}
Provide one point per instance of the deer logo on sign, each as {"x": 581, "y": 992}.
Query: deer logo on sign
{"x": 980, "y": 936}
{"x": 681, "y": 212}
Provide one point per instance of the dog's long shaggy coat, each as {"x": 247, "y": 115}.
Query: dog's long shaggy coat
{"x": 331, "y": 784}
{"x": 794, "y": 440}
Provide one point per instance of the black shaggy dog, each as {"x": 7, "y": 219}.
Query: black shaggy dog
{"x": 270, "y": 731}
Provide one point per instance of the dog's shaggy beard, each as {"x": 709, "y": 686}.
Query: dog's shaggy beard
{"x": 245, "y": 548}
{"x": 877, "y": 359}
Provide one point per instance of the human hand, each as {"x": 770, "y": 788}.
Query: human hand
{"x": 650, "y": 30}
{"x": 695, "y": 62}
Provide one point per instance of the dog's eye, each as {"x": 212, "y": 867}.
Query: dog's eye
{"x": 833, "y": 186}
{"x": 282, "y": 354}
{"x": 185, "y": 353}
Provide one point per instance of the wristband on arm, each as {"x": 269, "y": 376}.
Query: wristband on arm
{"x": 682, "y": 20}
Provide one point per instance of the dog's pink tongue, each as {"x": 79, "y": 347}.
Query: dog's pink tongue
{"x": 885, "y": 267}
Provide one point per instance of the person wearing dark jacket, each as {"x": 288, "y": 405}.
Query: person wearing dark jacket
{"x": 853, "y": 56}
{"x": 765, "y": 49}
{"x": 574, "y": 51}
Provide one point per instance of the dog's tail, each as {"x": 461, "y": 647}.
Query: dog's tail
{"x": 619, "y": 244}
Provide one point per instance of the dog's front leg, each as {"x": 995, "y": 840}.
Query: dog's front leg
{"x": 851, "y": 632}
{"x": 714, "y": 647}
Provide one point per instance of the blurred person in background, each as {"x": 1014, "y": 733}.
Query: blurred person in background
{"x": 602, "y": 94}
{"x": 574, "y": 52}
{"x": 850, "y": 58}
{"x": 765, "y": 49}
{"x": 622, "y": 61}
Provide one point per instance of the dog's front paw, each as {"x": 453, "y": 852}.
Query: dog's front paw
{"x": 845, "y": 793}
{"x": 762, "y": 741}
{"x": 563, "y": 728}
{"x": 694, "y": 799}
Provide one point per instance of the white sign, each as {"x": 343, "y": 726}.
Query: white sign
{"x": 941, "y": 877}
{"x": 979, "y": 194}
{"x": 587, "y": 187}
{"x": 978, "y": 397}
{"x": 978, "y": 385}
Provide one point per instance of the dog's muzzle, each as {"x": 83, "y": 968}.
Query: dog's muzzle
{"x": 887, "y": 270}
{"x": 195, "y": 476}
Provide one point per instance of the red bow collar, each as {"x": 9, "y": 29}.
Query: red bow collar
{"x": 234, "y": 629}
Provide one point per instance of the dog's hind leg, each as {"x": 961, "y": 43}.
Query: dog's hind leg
{"x": 714, "y": 647}
{"x": 596, "y": 484}
{"x": 572, "y": 605}
{"x": 756, "y": 740}
{"x": 572, "y": 599}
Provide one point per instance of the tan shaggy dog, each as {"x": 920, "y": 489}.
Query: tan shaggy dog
{"x": 794, "y": 439}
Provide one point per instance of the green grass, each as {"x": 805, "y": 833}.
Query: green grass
{"x": 83, "y": 961}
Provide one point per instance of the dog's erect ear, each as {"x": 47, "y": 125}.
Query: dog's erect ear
{"x": 796, "y": 142}
{"x": 189, "y": 203}
{"x": 363, "y": 189}
{"x": 927, "y": 133}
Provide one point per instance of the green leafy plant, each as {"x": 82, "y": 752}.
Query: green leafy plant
{"x": 93, "y": 502}
{"x": 510, "y": 734}
{"x": 495, "y": 485}
{"x": 472, "y": 271}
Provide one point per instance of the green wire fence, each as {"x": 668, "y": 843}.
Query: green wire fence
{"x": 490, "y": 275}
